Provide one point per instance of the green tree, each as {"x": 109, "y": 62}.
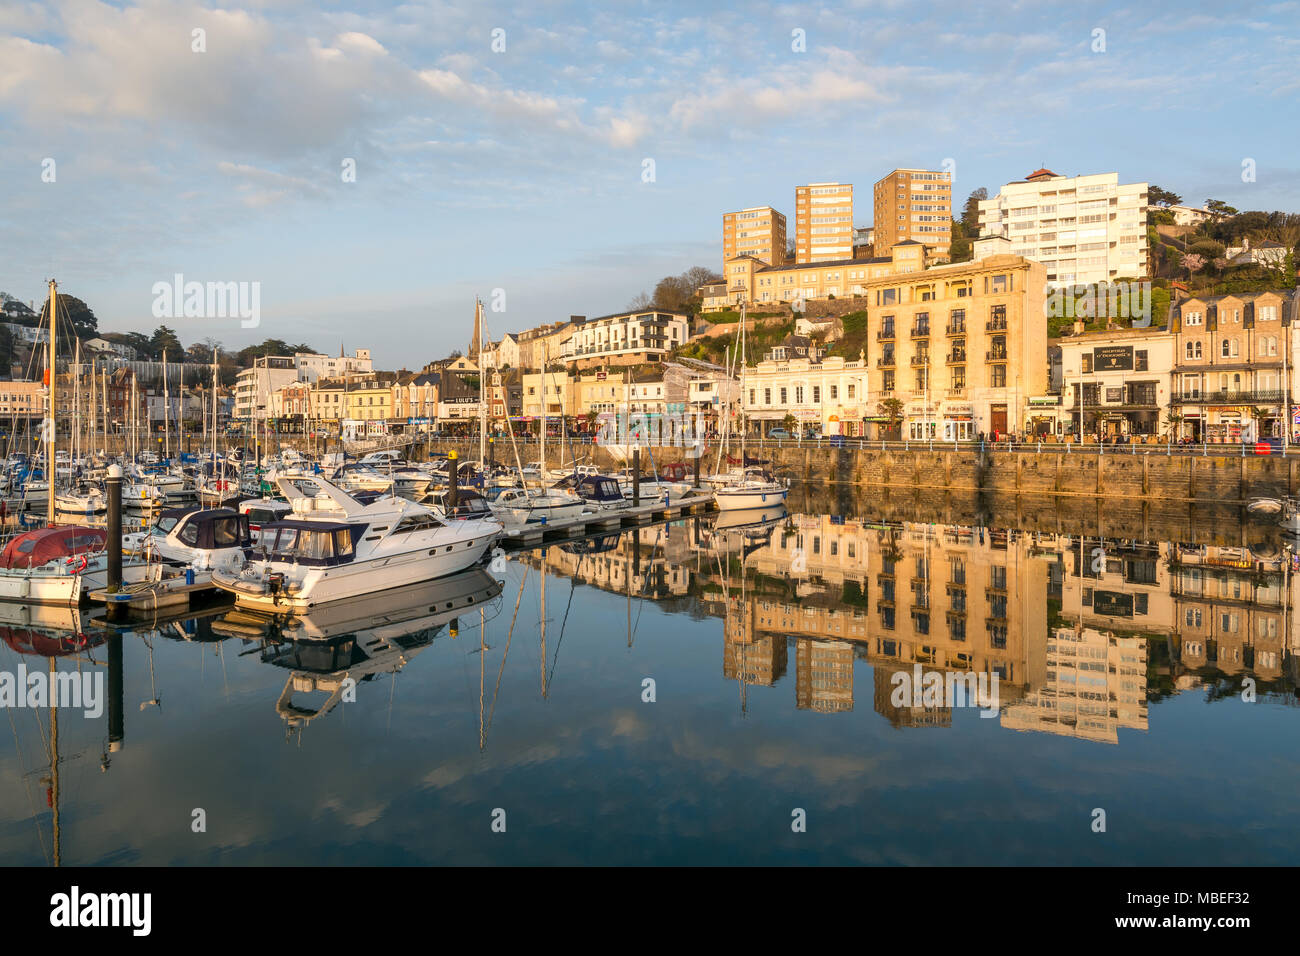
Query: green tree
{"x": 1220, "y": 208}
{"x": 1163, "y": 197}
{"x": 162, "y": 339}
{"x": 892, "y": 410}
{"x": 959, "y": 247}
{"x": 970, "y": 216}
{"x": 72, "y": 310}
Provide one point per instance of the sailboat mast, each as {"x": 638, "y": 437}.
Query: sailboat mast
{"x": 167, "y": 412}
{"x": 482, "y": 385}
{"x": 51, "y": 430}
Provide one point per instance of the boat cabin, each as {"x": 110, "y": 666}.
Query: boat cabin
{"x": 469, "y": 504}
{"x": 318, "y": 543}
{"x": 601, "y": 489}
{"x": 211, "y": 529}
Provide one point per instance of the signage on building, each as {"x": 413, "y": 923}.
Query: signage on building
{"x": 1112, "y": 358}
{"x": 1114, "y": 396}
{"x": 1112, "y": 603}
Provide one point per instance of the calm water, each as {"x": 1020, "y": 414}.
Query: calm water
{"x": 773, "y": 651}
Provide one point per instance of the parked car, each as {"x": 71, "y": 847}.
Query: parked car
{"x": 778, "y": 434}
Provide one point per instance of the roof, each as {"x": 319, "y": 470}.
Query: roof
{"x": 1041, "y": 174}
{"x": 830, "y": 263}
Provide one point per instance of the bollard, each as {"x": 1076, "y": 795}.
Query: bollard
{"x": 636, "y": 477}
{"x": 114, "y": 544}
{"x": 453, "y": 480}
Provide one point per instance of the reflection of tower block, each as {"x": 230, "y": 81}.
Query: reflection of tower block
{"x": 748, "y": 655}
{"x": 824, "y": 676}
{"x": 906, "y": 716}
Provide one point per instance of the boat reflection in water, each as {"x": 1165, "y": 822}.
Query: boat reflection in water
{"x": 333, "y": 649}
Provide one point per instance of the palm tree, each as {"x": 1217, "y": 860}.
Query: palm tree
{"x": 1260, "y": 414}
{"x": 1175, "y": 422}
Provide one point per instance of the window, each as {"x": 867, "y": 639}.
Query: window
{"x": 999, "y": 377}
{"x": 784, "y": 399}
{"x": 1140, "y": 360}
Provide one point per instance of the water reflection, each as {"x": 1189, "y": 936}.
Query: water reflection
{"x": 776, "y": 641}
{"x": 340, "y": 646}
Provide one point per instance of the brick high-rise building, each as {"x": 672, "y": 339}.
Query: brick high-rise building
{"x": 913, "y": 204}
{"x": 823, "y": 222}
{"x": 758, "y": 231}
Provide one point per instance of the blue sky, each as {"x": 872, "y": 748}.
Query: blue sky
{"x": 521, "y": 169}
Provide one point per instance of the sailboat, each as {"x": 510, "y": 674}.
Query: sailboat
{"x": 752, "y": 488}
{"x": 59, "y": 565}
{"x": 523, "y": 505}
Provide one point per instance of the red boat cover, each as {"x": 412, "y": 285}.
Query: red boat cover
{"x": 47, "y": 643}
{"x": 35, "y": 548}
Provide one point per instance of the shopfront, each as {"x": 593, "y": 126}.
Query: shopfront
{"x": 1227, "y": 426}
{"x": 958, "y": 423}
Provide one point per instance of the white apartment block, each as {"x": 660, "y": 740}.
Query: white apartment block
{"x": 823, "y": 214}
{"x": 312, "y": 366}
{"x": 628, "y": 338}
{"x": 1084, "y": 229}
{"x": 831, "y": 394}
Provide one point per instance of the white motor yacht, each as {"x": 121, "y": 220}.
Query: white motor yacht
{"x": 316, "y": 557}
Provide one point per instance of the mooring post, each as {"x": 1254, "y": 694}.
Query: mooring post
{"x": 636, "y": 477}
{"x": 453, "y": 479}
{"x": 114, "y": 545}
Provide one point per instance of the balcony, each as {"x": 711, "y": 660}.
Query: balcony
{"x": 1258, "y": 397}
{"x": 921, "y": 360}
{"x": 996, "y": 355}
{"x": 995, "y": 325}
{"x": 886, "y": 334}
{"x": 956, "y": 328}
{"x": 921, "y": 331}
{"x": 886, "y": 362}
{"x": 956, "y": 356}
{"x": 957, "y": 391}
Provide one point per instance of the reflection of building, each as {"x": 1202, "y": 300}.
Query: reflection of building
{"x": 747, "y": 655}
{"x": 824, "y": 676}
{"x": 1095, "y": 684}
{"x": 908, "y": 715}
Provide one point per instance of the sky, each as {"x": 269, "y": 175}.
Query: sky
{"x": 372, "y": 167}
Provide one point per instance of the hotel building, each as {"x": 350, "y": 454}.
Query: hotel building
{"x": 1117, "y": 383}
{"x": 1232, "y": 369}
{"x": 913, "y": 204}
{"x": 823, "y": 222}
{"x": 1084, "y": 229}
{"x": 831, "y": 395}
{"x": 961, "y": 346}
{"x": 758, "y": 231}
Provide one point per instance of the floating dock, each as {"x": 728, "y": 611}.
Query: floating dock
{"x": 596, "y": 523}
{"x": 152, "y": 596}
